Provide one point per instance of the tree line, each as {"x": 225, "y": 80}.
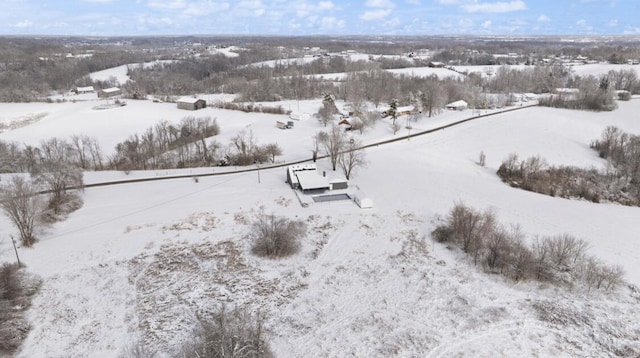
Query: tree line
{"x": 560, "y": 259}
{"x": 619, "y": 181}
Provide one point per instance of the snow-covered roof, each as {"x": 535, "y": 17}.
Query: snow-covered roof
{"x": 458, "y": 104}
{"x": 111, "y": 90}
{"x": 85, "y": 89}
{"x": 310, "y": 180}
{"x": 191, "y": 100}
{"x": 338, "y": 180}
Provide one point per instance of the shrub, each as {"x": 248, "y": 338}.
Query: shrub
{"x": 559, "y": 259}
{"x": 16, "y": 290}
{"x": 228, "y": 334}
{"x": 274, "y": 236}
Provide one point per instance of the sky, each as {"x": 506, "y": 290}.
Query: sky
{"x": 319, "y": 17}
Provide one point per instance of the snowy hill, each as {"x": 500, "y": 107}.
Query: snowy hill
{"x": 138, "y": 261}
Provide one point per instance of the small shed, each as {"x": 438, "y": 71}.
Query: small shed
{"x": 457, "y": 105}
{"x": 191, "y": 103}
{"x": 109, "y": 92}
{"x": 338, "y": 183}
{"x": 363, "y": 201}
{"x": 434, "y": 64}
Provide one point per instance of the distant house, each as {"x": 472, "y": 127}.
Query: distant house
{"x": 109, "y": 92}
{"x": 88, "y": 89}
{"x": 345, "y": 122}
{"x": 457, "y": 105}
{"x": 191, "y": 103}
{"x": 402, "y": 111}
{"x": 434, "y": 64}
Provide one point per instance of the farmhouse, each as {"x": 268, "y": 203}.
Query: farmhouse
{"x": 109, "y": 92}
{"x": 457, "y": 105}
{"x": 434, "y": 64}
{"x": 306, "y": 178}
{"x": 191, "y": 103}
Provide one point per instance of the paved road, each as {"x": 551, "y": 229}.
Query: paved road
{"x": 280, "y": 165}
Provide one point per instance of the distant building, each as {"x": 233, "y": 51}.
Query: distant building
{"x": 433, "y": 64}
{"x": 457, "y": 105}
{"x": 109, "y": 92}
{"x": 88, "y": 89}
{"x": 191, "y": 103}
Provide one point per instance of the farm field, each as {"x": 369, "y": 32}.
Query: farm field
{"x": 137, "y": 261}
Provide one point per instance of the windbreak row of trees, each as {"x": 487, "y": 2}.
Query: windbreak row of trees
{"x": 619, "y": 182}
{"x": 559, "y": 259}
{"x": 164, "y": 146}
{"x": 186, "y": 144}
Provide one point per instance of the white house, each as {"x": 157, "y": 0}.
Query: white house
{"x": 87, "y": 89}
{"x": 457, "y": 105}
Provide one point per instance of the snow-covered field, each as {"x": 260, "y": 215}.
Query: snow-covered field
{"x": 120, "y": 73}
{"x": 137, "y": 261}
{"x": 597, "y": 69}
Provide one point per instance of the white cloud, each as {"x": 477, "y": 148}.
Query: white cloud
{"x": 204, "y": 8}
{"x": 448, "y": 2}
{"x": 325, "y": 5}
{"x": 173, "y": 4}
{"x": 613, "y": 23}
{"x": 304, "y": 9}
{"x": 375, "y": 14}
{"x": 384, "y": 4}
{"x": 23, "y": 24}
{"x": 413, "y": 2}
{"x": 100, "y": 1}
{"x": 331, "y": 23}
{"x": 544, "y": 18}
{"x": 584, "y": 25}
{"x": 495, "y": 7}
{"x": 487, "y": 24}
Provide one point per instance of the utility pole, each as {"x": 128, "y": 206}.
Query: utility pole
{"x": 13, "y": 241}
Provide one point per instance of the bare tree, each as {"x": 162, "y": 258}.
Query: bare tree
{"x": 272, "y": 150}
{"x": 228, "y": 334}
{"x": 333, "y": 142}
{"x": 352, "y": 157}
{"x": 57, "y": 178}
{"x": 430, "y": 97}
{"x": 21, "y": 203}
{"x": 244, "y": 144}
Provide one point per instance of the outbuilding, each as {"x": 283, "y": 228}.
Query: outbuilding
{"x": 191, "y": 103}
{"x": 87, "y": 89}
{"x": 363, "y": 201}
{"x": 109, "y": 92}
{"x": 457, "y": 105}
